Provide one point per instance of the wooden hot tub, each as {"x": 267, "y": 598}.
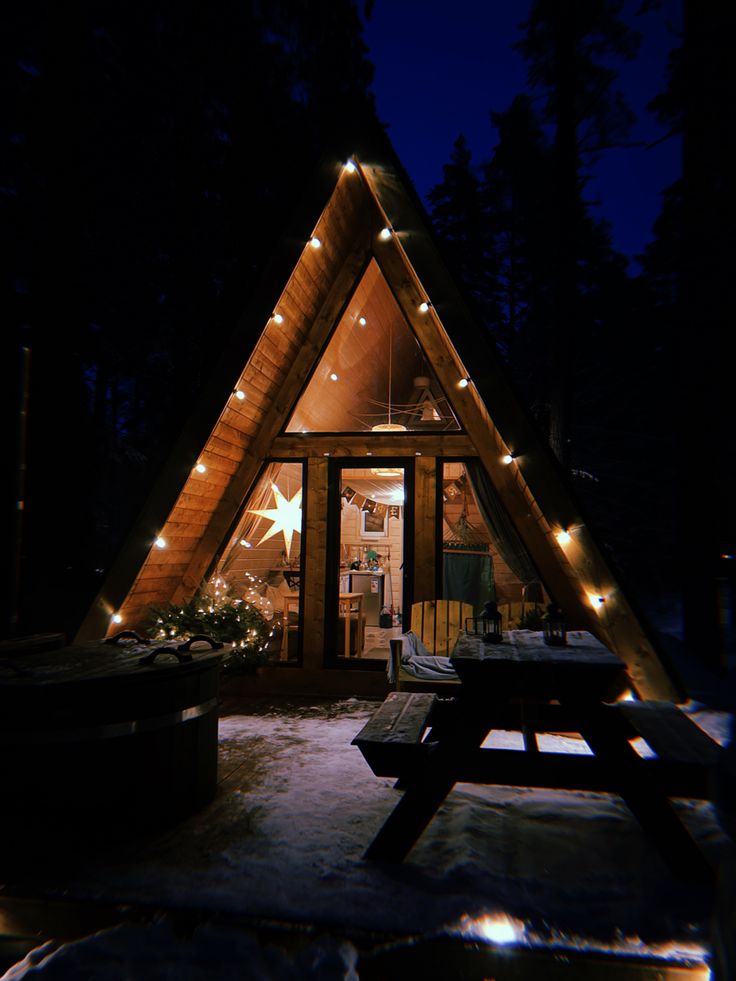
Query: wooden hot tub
{"x": 107, "y": 733}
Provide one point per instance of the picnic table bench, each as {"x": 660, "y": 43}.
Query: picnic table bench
{"x": 430, "y": 743}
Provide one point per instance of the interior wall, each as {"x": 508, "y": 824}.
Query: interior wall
{"x": 353, "y": 546}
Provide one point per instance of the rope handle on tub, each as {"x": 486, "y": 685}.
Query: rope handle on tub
{"x": 150, "y": 658}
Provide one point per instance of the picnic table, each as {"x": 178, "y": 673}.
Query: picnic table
{"x": 430, "y": 743}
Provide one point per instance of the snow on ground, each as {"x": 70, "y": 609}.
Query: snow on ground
{"x": 284, "y": 841}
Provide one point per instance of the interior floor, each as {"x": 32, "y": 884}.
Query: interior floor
{"x": 377, "y": 641}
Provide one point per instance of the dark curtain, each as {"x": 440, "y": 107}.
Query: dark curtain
{"x": 502, "y": 531}
{"x": 468, "y": 578}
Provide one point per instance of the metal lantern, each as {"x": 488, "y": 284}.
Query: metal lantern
{"x": 555, "y": 629}
{"x": 488, "y": 624}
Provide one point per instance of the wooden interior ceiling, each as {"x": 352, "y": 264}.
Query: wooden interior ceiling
{"x": 360, "y": 355}
{"x": 385, "y": 490}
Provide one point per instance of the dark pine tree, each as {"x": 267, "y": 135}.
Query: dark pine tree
{"x": 707, "y": 311}
{"x": 152, "y": 170}
{"x": 458, "y": 216}
{"x": 519, "y": 215}
{"x": 568, "y": 45}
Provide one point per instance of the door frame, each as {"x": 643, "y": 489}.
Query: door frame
{"x": 332, "y": 578}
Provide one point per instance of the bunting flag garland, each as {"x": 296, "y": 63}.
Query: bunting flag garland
{"x": 364, "y": 503}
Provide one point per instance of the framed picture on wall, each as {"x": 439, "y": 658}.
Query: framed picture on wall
{"x": 373, "y": 525}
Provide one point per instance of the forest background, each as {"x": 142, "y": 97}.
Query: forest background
{"x": 153, "y": 154}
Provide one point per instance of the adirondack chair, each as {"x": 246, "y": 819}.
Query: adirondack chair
{"x": 437, "y": 624}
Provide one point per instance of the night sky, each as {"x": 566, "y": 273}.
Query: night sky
{"x": 442, "y": 68}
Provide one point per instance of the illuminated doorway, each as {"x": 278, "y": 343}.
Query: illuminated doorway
{"x": 370, "y": 545}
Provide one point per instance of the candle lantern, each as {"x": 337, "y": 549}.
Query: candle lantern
{"x": 487, "y": 625}
{"x": 555, "y": 629}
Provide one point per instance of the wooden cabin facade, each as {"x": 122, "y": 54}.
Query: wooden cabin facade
{"x": 335, "y": 468}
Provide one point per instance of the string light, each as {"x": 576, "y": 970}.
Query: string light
{"x": 240, "y": 396}
{"x": 245, "y": 544}
{"x": 278, "y": 318}
{"x": 315, "y": 242}
{"x": 385, "y": 234}
{"x": 116, "y": 618}
{"x": 495, "y": 928}
{"x": 160, "y": 542}
{"x": 362, "y": 321}
{"x": 350, "y": 167}
{"x": 563, "y": 537}
{"x": 201, "y": 468}
{"x": 333, "y": 377}
{"x": 463, "y": 383}
{"x": 423, "y": 306}
{"x": 508, "y": 458}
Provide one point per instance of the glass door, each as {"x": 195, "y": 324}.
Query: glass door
{"x": 369, "y": 598}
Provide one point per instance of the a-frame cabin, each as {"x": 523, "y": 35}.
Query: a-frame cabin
{"x": 362, "y": 407}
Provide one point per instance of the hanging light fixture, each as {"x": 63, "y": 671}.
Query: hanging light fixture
{"x": 388, "y": 427}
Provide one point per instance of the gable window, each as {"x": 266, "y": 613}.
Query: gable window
{"x": 373, "y": 374}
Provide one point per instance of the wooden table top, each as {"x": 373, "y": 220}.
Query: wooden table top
{"x": 524, "y": 666}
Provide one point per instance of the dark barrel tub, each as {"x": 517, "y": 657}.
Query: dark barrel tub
{"x": 96, "y": 735}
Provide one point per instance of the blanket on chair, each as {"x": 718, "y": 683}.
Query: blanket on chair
{"x": 417, "y": 661}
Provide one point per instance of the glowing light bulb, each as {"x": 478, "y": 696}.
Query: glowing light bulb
{"x": 240, "y": 396}
{"x": 333, "y": 377}
{"x": 245, "y": 544}
{"x": 508, "y": 458}
{"x": 385, "y": 234}
{"x": 278, "y": 319}
{"x": 496, "y": 928}
{"x": 563, "y": 537}
{"x": 116, "y": 618}
{"x": 362, "y": 321}
{"x": 463, "y": 383}
{"x": 201, "y": 468}
{"x": 350, "y": 167}
{"x": 160, "y": 542}
{"x": 315, "y": 242}
{"x": 500, "y": 929}
{"x": 423, "y": 307}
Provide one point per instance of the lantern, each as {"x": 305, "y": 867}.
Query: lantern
{"x": 488, "y": 624}
{"x": 555, "y": 630}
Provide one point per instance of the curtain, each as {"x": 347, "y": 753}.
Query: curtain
{"x": 502, "y": 531}
{"x": 468, "y": 577}
{"x": 259, "y": 499}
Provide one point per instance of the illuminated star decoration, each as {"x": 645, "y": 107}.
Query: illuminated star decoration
{"x": 286, "y": 517}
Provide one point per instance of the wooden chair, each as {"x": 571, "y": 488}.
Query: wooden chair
{"x": 438, "y": 624}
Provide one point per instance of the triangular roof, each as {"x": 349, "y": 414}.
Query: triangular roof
{"x": 231, "y": 436}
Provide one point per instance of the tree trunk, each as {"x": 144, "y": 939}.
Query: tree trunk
{"x": 566, "y": 181}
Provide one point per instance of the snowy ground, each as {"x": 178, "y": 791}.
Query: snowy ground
{"x": 284, "y": 839}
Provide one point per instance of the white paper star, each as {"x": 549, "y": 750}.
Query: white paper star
{"x": 286, "y": 517}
